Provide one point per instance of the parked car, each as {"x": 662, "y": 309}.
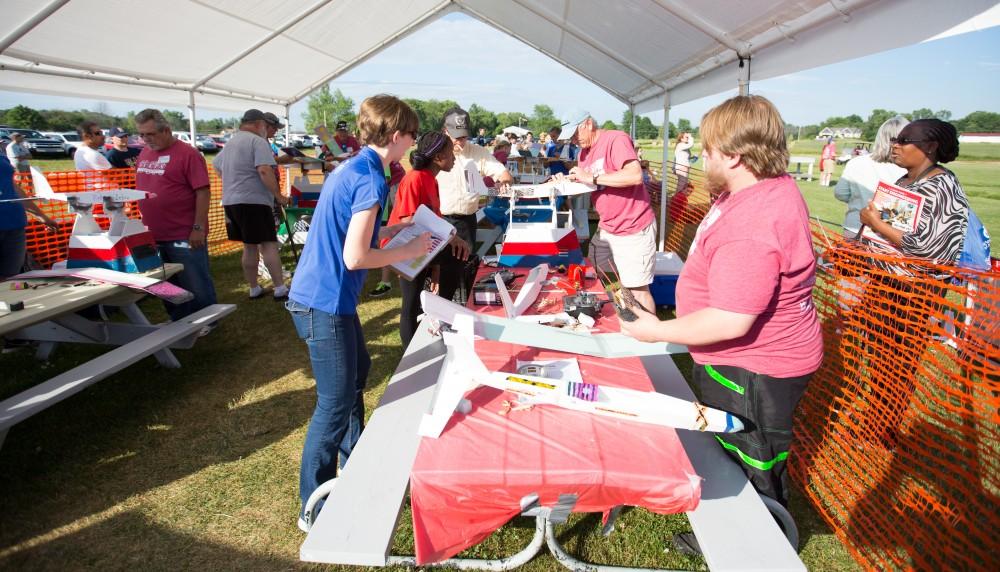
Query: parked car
{"x": 70, "y": 140}
{"x": 316, "y": 140}
{"x": 38, "y": 144}
{"x": 203, "y": 143}
{"x": 220, "y": 140}
{"x": 134, "y": 141}
{"x": 302, "y": 141}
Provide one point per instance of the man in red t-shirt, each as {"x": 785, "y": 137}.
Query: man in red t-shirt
{"x": 178, "y": 215}
{"x": 744, "y": 299}
{"x": 626, "y": 233}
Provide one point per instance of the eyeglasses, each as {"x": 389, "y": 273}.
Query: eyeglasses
{"x": 96, "y": 133}
{"x": 904, "y": 140}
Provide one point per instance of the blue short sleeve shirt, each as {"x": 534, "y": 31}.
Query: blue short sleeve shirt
{"x": 322, "y": 280}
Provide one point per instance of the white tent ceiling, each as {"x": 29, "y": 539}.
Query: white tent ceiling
{"x": 234, "y": 54}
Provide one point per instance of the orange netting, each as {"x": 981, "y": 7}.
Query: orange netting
{"x": 47, "y": 247}
{"x": 896, "y": 440}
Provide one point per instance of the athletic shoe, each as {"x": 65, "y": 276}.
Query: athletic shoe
{"x": 381, "y": 289}
{"x": 281, "y": 293}
{"x": 256, "y": 292}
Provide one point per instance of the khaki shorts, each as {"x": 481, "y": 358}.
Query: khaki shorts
{"x": 632, "y": 254}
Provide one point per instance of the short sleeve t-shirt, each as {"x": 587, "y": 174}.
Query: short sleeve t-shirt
{"x": 12, "y": 216}
{"x": 123, "y": 159}
{"x": 623, "y": 210}
{"x": 322, "y": 280}
{"x": 88, "y": 159}
{"x": 173, "y": 175}
{"x": 753, "y": 255}
{"x": 347, "y": 145}
{"x": 237, "y": 163}
{"x": 473, "y": 161}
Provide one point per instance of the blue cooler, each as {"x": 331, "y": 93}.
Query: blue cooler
{"x": 667, "y": 269}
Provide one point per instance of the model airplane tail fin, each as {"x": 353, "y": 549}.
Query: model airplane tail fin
{"x": 461, "y": 371}
{"x": 42, "y": 187}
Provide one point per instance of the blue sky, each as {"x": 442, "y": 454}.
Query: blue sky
{"x": 459, "y": 58}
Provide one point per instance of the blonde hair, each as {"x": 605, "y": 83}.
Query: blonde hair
{"x": 382, "y": 115}
{"x": 751, "y": 127}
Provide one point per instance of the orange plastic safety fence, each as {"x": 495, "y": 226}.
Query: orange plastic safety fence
{"x": 898, "y": 434}
{"x": 49, "y": 247}
{"x": 688, "y": 201}
{"x": 897, "y": 439}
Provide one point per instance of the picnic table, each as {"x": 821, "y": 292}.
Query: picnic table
{"x": 50, "y": 318}
{"x": 360, "y": 517}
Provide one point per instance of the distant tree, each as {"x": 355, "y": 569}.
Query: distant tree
{"x": 811, "y": 131}
{"x": 943, "y": 115}
{"x": 542, "y": 119}
{"x": 482, "y": 119}
{"x": 177, "y": 120}
{"x": 609, "y": 125}
{"x": 875, "y": 120}
{"x": 683, "y": 125}
{"x": 512, "y": 118}
{"x": 431, "y": 113}
{"x": 979, "y": 122}
{"x": 25, "y": 117}
{"x": 61, "y": 120}
{"x": 327, "y": 108}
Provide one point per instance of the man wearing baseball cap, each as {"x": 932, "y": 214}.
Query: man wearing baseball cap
{"x": 459, "y": 203}
{"x": 249, "y": 191}
{"x": 121, "y": 156}
{"x": 626, "y": 232}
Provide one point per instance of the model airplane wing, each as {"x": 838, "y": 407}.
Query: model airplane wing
{"x": 463, "y": 371}
{"x": 555, "y": 188}
{"x": 541, "y": 336}
{"x": 528, "y": 293}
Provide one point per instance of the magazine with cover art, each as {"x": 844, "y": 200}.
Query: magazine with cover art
{"x": 424, "y": 220}
{"x": 898, "y": 207}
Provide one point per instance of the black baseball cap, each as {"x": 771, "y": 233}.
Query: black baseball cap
{"x": 341, "y": 126}
{"x": 117, "y": 132}
{"x": 456, "y": 122}
{"x": 273, "y": 120}
{"x": 252, "y": 115}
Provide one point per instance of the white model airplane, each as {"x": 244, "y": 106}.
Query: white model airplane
{"x": 528, "y": 293}
{"x": 444, "y": 313}
{"x": 463, "y": 371}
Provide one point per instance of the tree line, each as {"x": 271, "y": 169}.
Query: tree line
{"x": 975, "y": 122}
{"x": 327, "y": 107}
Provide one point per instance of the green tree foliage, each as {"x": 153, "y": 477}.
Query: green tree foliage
{"x": 922, "y": 113}
{"x": 327, "y": 108}
{"x": 431, "y": 112}
{"x": 483, "y": 119}
{"x": 684, "y": 125}
{"x": 542, "y": 119}
{"x": 609, "y": 125}
{"x": 644, "y": 126}
{"x": 875, "y": 120}
{"x": 25, "y": 117}
{"x": 515, "y": 118}
{"x": 979, "y": 122}
{"x": 177, "y": 120}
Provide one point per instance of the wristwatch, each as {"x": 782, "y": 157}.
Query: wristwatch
{"x": 197, "y": 226}
{"x": 595, "y": 180}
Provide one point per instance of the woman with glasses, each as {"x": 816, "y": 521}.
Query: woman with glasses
{"x": 900, "y": 298}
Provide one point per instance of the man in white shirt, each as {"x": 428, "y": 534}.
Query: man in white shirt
{"x": 459, "y": 202}
{"x": 89, "y": 156}
{"x": 18, "y": 154}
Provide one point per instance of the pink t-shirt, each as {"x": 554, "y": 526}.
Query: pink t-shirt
{"x": 753, "y": 255}
{"x": 623, "y": 210}
{"x": 173, "y": 174}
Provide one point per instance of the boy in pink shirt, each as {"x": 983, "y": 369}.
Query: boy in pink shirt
{"x": 627, "y": 231}
{"x": 744, "y": 298}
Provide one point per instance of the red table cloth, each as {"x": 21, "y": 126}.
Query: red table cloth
{"x": 470, "y": 481}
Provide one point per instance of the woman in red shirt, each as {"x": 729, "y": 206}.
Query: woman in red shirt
{"x": 434, "y": 153}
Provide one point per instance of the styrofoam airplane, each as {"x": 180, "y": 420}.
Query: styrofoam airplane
{"x": 127, "y": 245}
{"x": 463, "y": 371}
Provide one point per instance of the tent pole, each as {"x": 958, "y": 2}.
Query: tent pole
{"x": 194, "y": 134}
{"x": 663, "y": 170}
{"x": 744, "y": 76}
{"x": 288, "y": 123}
{"x": 631, "y": 112}
{"x": 29, "y": 24}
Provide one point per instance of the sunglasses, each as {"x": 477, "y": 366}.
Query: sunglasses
{"x": 904, "y": 140}
{"x": 96, "y": 133}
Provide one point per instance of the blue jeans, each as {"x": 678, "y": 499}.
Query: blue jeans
{"x": 196, "y": 278}
{"x": 12, "y": 249}
{"x": 340, "y": 364}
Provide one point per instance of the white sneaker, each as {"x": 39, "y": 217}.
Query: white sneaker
{"x": 281, "y": 292}
{"x": 256, "y": 292}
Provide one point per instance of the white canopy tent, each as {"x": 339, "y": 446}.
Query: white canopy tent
{"x": 269, "y": 54}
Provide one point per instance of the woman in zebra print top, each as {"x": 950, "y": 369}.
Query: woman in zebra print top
{"x": 920, "y": 148}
